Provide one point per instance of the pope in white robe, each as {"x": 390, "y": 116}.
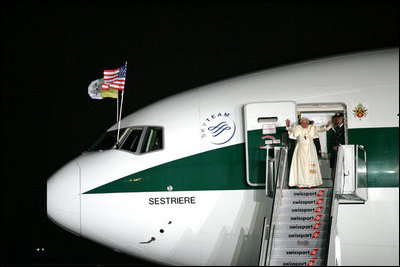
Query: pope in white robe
{"x": 304, "y": 170}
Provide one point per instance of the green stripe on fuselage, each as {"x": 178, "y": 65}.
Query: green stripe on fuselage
{"x": 219, "y": 169}
{"x": 225, "y": 169}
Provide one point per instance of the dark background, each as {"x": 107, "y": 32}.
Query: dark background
{"x": 51, "y": 51}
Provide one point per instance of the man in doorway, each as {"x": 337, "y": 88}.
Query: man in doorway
{"x": 337, "y": 138}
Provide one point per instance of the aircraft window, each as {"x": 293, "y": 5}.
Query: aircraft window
{"x": 132, "y": 141}
{"x": 153, "y": 140}
{"x": 106, "y": 141}
{"x": 109, "y": 139}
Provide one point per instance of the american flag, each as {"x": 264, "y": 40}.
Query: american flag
{"x": 114, "y": 79}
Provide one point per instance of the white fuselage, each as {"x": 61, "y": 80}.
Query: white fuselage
{"x": 223, "y": 226}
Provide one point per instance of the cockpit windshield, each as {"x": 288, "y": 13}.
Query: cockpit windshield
{"x": 131, "y": 142}
{"x": 109, "y": 139}
{"x": 138, "y": 140}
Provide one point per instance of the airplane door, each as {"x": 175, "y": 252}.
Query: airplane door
{"x": 265, "y": 124}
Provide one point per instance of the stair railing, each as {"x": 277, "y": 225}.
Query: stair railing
{"x": 351, "y": 167}
{"x": 350, "y": 186}
{"x": 280, "y": 165}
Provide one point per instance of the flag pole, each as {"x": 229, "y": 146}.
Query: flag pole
{"x": 120, "y": 112}
{"x": 122, "y": 101}
{"x": 117, "y": 107}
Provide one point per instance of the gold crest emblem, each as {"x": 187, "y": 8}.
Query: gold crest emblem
{"x": 360, "y": 111}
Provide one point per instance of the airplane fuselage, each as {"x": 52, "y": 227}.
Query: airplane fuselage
{"x": 188, "y": 201}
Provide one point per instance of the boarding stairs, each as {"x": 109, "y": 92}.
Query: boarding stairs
{"x": 301, "y": 223}
{"x": 302, "y": 226}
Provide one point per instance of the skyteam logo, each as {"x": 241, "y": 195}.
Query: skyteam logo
{"x": 218, "y": 128}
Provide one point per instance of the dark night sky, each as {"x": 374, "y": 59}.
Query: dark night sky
{"x": 51, "y": 51}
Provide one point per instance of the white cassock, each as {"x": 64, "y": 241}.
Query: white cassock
{"x": 304, "y": 170}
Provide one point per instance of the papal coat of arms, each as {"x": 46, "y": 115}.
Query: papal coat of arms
{"x": 360, "y": 111}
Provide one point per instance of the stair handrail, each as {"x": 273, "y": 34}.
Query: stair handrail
{"x": 280, "y": 175}
{"x": 263, "y": 249}
{"x": 284, "y": 167}
{"x": 267, "y": 160}
{"x": 339, "y": 193}
{"x": 348, "y": 166}
{"x": 358, "y": 170}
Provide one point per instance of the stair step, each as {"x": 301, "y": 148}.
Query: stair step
{"x": 298, "y": 252}
{"x": 302, "y": 209}
{"x": 309, "y": 261}
{"x": 322, "y": 226}
{"x": 301, "y": 235}
{"x": 304, "y": 201}
{"x": 307, "y": 243}
{"x": 308, "y": 193}
{"x": 306, "y": 217}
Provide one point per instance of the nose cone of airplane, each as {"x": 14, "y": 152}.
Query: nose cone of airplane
{"x": 63, "y": 198}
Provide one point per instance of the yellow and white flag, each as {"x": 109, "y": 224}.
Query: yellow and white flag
{"x": 95, "y": 90}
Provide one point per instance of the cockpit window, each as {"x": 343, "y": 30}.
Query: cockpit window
{"x": 132, "y": 141}
{"x": 109, "y": 139}
{"x": 135, "y": 139}
{"x": 153, "y": 140}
